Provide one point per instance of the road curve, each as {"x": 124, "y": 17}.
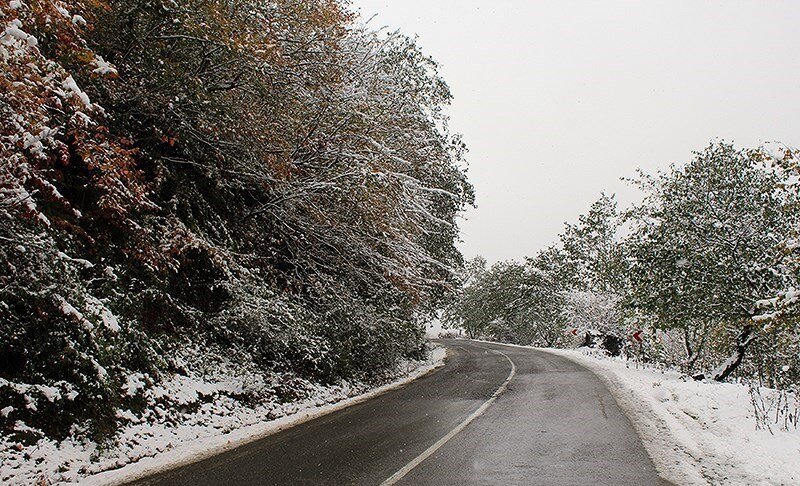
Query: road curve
{"x": 492, "y": 415}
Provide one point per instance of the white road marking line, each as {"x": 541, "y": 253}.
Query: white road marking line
{"x": 439, "y": 443}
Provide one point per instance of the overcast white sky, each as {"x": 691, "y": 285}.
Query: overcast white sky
{"x": 557, "y": 100}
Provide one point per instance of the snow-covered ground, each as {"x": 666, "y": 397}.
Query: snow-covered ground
{"x": 167, "y": 438}
{"x": 697, "y": 432}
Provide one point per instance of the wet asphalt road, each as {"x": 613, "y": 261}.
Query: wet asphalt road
{"x": 554, "y": 424}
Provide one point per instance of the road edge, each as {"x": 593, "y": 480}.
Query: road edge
{"x": 200, "y": 449}
{"x": 655, "y": 434}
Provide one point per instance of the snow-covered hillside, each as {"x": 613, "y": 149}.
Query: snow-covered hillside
{"x": 206, "y": 420}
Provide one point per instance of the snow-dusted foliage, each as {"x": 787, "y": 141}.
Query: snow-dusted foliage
{"x": 509, "y": 301}
{"x": 62, "y": 177}
{"x": 563, "y": 292}
{"x": 706, "y": 247}
{"x": 594, "y": 312}
{"x": 701, "y": 276}
{"x": 777, "y": 315}
{"x": 271, "y": 182}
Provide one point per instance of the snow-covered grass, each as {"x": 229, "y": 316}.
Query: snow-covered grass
{"x": 697, "y": 432}
{"x": 199, "y": 428}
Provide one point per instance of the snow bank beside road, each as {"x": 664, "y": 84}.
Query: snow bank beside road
{"x": 697, "y": 432}
{"x": 146, "y": 448}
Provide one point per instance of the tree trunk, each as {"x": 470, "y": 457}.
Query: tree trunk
{"x": 693, "y": 354}
{"x": 729, "y": 365}
{"x": 691, "y": 357}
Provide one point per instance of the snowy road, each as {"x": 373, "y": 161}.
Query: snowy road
{"x": 493, "y": 415}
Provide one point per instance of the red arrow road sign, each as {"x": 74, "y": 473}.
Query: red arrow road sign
{"x": 638, "y": 336}
{"x": 575, "y": 331}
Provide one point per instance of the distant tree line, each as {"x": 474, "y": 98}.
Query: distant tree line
{"x": 706, "y": 266}
{"x": 272, "y": 182}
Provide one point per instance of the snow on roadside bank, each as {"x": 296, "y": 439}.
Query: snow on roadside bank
{"x": 145, "y": 448}
{"x": 697, "y": 432}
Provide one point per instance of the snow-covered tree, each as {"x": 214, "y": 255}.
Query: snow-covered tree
{"x": 778, "y": 314}
{"x": 512, "y": 302}
{"x": 593, "y": 275}
{"x": 705, "y": 246}
{"x": 590, "y": 248}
